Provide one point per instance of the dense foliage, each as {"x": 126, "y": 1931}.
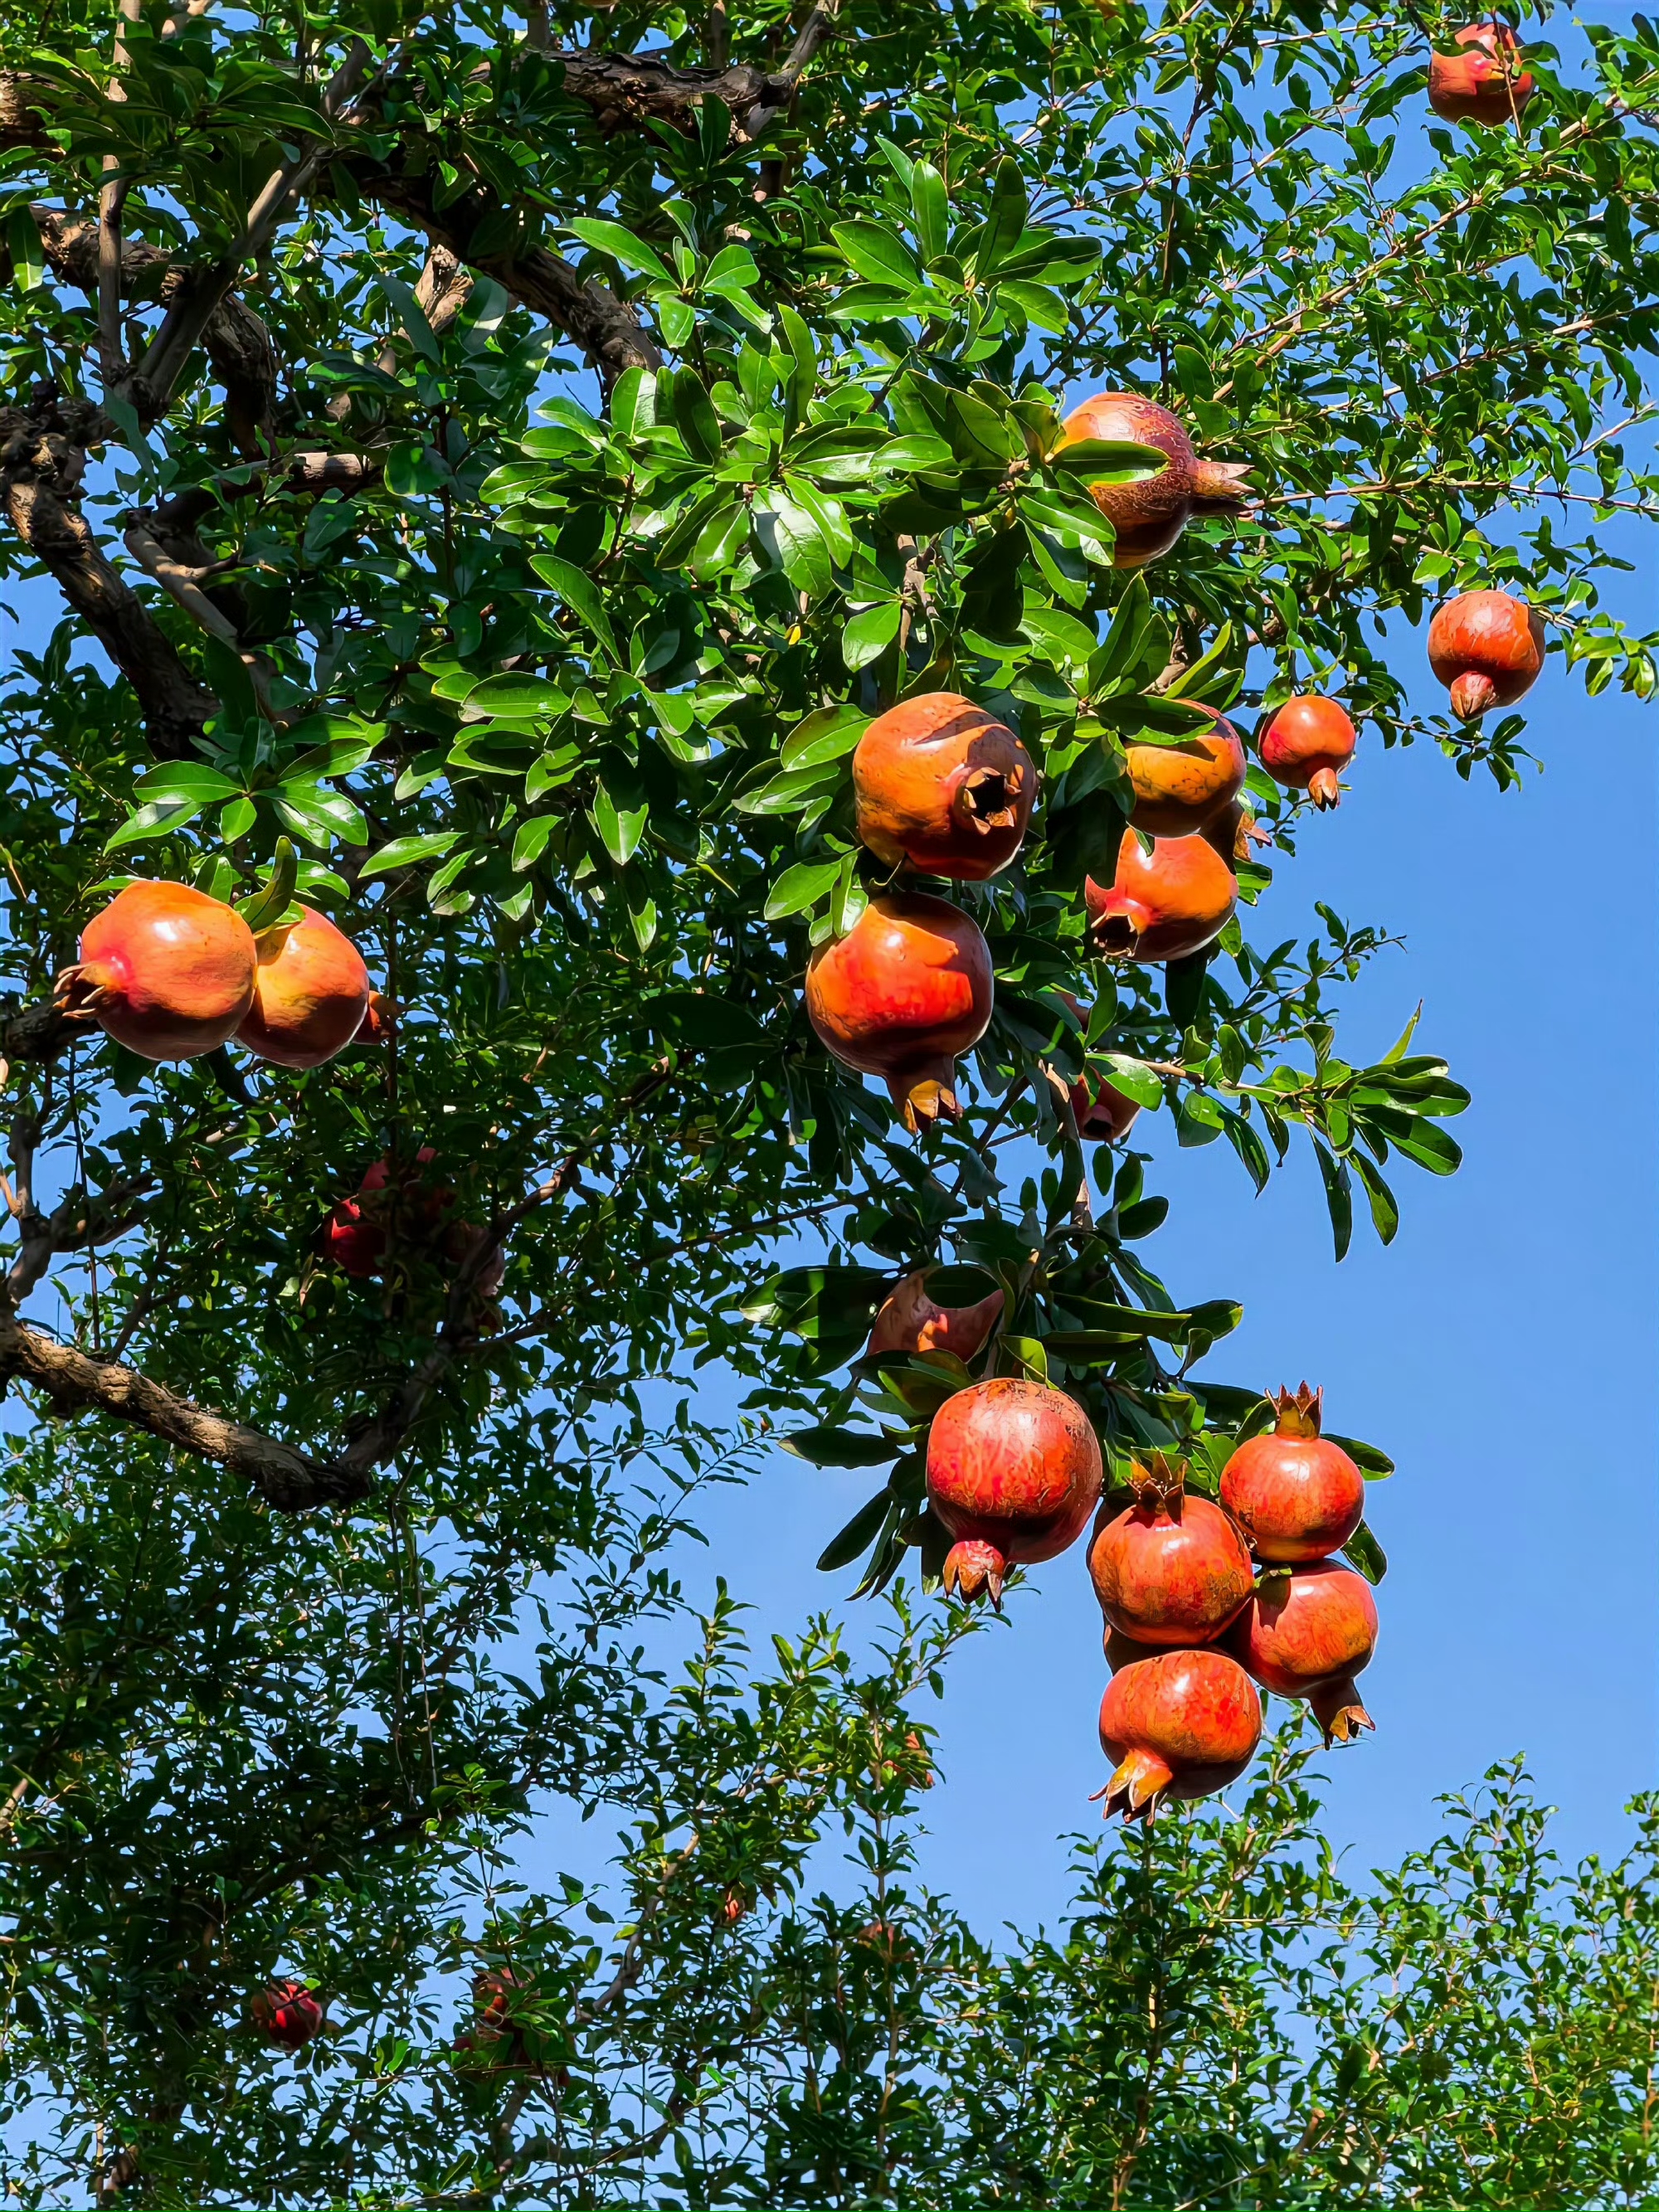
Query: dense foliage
{"x": 513, "y": 465}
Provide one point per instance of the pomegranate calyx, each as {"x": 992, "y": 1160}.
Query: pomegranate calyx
{"x": 1337, "y": 1709}
{"x": 987, "y": 799}
{"x": 1136, "y": 1786}
{"x": 925, "y": 1098}
{"x": 1299, "y": 1411}
{"x": 1474, "y": 694}
{"x": 1220, "y": 484}
{"x": 1324, "y": 788}
{"x": 1158, "y": 1482}
{"x": 973, "y": 1565}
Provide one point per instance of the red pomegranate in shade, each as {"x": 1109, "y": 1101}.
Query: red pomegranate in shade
{"x": 910, "y": 1321}
{"x": 1180, "y": 787}
{"x": 908, "y": 988}
{"x": 1484, "y": 82}
{"x": 379, "y": 1019}
{"x": 165, "y": 970}
{"x": 1305, "y": 744}
{"x": 1013, "y": 1472}
{"x": 407, "y": 1208}
{"x": 1103, "y": 1114}
{"x": 1170, "y": 1568}
{"x": 1122, "y": 1650}
{"x": 1295, "y": 1494}
{"x": 287, "y": 2015}
{"x": 311, "y": 995}
{"x": 944, "y": 787}
{"x": 1162, "y": 904}
{"x": 1183, "y": 1724}
{"x": 1487, "y": 648}
{"x": 1147, "y": 517}
{"x": 1306, "y": 1633}
{"x": 1234, "y": 834}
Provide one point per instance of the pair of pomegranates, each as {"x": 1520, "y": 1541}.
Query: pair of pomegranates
{"x": 172, "y": 973}
{"x": 398, "y": 1209}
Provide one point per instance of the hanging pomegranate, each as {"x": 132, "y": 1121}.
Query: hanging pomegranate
{"x": 908, "y": 988}
{"x": 1305, "y": 744}
{"x": 165, "y": 970}
{"x": 1101, "y": 1110}
{"x": 1170, "y": 1569}
{"x": 287, "y": 2015}
{"x": 1487, "y": 649}
{"x": 910, "y": 1321}
{"x": 1013, "y": 1472}
{"x": 945, "y": 787}
{"x": 1147, "y": 518}
{"x": 1295, "y": 1494}
{"x": 1162, "y": 904}
{"x": 379, "y": 1019}
{"x": 1307, "y": 1633}
{"x": 1484, "y": 80}
{"x": 409, "y": 1210}
{"x": 1234, "y": 834}
{"x": 310, "y": 996}
{"x": 1181, "y": 1725}
{"x": 1181, "y": 786}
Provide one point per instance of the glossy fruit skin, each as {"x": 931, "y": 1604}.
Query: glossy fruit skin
{"x": 1296, "y": 1495}
{"x": 908, "y": 988}
{"x": 944, "y": 787}
{"x": 1168, "y": 1569}
{"x": 1487, "y": 648}
{"x": 910, "y": 1321}
{"x": 1471, "y": 86}
{"x": 1180, "y": 787}
{"x": 286, "y": 2014}
{"x": 1013, "y": 1472}
{"x": 1305, "y": 744}
{"x": 1307, "y": 1635}
{"x": 1103, "y": 1114}
{"x": 170, "y": 972}
{"x": 311, "y": 995}
{"x": 1162, "y": 904}
{"x": 1181, "y": 1725}
{"x": 1147, "y": 518}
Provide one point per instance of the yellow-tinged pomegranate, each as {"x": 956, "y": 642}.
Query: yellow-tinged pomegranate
{"x": 1181, "y": 788}
{"x": 908, "y": 988}
{"x": 311, "y": 995}
{"x": 165, "y": 970}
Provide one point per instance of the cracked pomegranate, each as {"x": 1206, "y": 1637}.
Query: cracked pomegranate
{"x": 1307, "y": 1633}
{"x": 1147, "y": 517}
{"x": 1180, "y": 787}
{"x": 1486, "y": 649}
{"x": 942, "y": 784}
{"x": 908, "y": 988}
{"x": 1295, "y": 1494}
{"x": 310, "y": 996}
{"x": 1162, "y": 904}
{"x": 1170, "y": 1569}
{"x": 910, "y": 1321}
{"x": 1484, "y": 82}
{"x": 1305, "y": 744}
{"x": 165, "y": 970}
{"x": 1013, "y": 1472}
{"x": 287, "y": 2015}
{"x": 1181, "y": 1725}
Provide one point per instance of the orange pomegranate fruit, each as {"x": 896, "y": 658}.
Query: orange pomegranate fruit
{"x": 908, "y": 988}
{"x": 910, "y": 1321}
{"x": 287, "y": 2015}
{"x": 1181, "y": 786}
{"x": 1484, "y": 82}
{"x": 1305, "y": 744}
{"x": 1486, "y": 647}
{"x": 1013, "y": 1472}
{"x": 1168, "y": 1569}
{"x": 1181, "y": 1725}
{"x": 311, "y": 995}
{"x": 1307, "y": 1633}
{"x": 1162, "y": 904}
{"x": 1147, "y": 518}
{"x": 1295, "y": 1494}
{"x": 944, "y": 787}
{"x": 165, "y": 970}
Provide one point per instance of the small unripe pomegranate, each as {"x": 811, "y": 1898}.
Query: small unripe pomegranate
{"x": 1487, "y": 649}
{"x": 1483, "y": 81}
{"x": 942, "y": 784}
{"x": 287, "y": 2015}
{"x": 165, "y": 970}
{"x": 1147, "y": 518}
{"x": 1101, "y": 1110}
{"x": 908, "y": 988}
{"x": 1305, "y": 744}
{"x": 1295, "y": 1494}
{"x": 910, "y": 1321}
{"x": 1307, "y": 1634}
{"x": 1168, "y": 1569}
{"x": 1180, "y": 787}
{"x": 1162, "y": 904}
{"x": 1013, "y": 1472}
{"x": 310, "y": 996}
{"x": 379, "y": 1019}
{"x": 1181, "y": 1725}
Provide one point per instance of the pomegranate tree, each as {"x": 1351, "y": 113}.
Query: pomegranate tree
{"x": 910, "y": 1321}
{"x": 1183, "y": 1724}
{"x": 1180, "y": 787}
{"x": 1147, "y": 517}
{"x": 1305, "y": 744}
{"x": 908, "y": 988}
{"x": 1487, "y": 648}
{"x": 1306, "y": 1633}
{"x": 165, "y": 970}
{"x": 1013, "y": 1472}
{"x": 1484, "y": 82}
{"x": 311, "y": 993}
{"x": 286, "y": 2013}
{"x": 1162, "y": 904}
{"x": 944, "y": 787}
{"x": 1295, "y": 1494}
{"x": 1170, "y": 1568}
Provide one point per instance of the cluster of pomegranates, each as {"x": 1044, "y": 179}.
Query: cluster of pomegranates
{"x": 401, "y": 1212}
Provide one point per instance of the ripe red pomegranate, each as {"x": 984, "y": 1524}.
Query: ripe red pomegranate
{"x": 942, "y": 784}
{"x": 1484, "y": 82}
{"x": 1181, "y": 1725}
{"x": 908, "y": 988}
{"x": 1147, "y": 518}
{"x": 311, "y": 995}
{"x": 1168, "y": 1569}
{"x": 1487, "y": 649}
{"x": 1307, "y": 1634}
{"x": 165, "y": 970}
{"x": 287, "y": 2015}
{"x": 410, "y": 1209}
{"x": 1013, "y": 1472}
{"x": 1180, "y": 787}
{"x": 1305, "y": 744}
{"x": 1101, "y": 1111}
{"x": 379, "y": 1019}
{"x": 1295, "y": 1494}
{"x": 1162, "y": 904}
{"x": 910, "y": 1321}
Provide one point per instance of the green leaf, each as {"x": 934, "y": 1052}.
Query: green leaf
{"x": 824, "y": 735}
{"x": 691, "y": 411}
{"x": 319, "y": 815}
{"x": 265, "y": 907}
{"x": 1133, "y": 1077}
{"x": 906, "y": 456}
{"x": 409, "y": 852}
{"x": 931, "y": 206}
{"x": 865, "y": 1525}
{"x": 1107, "y": 460}
{"x": 799, "y": 887}
{"x": 514, "y": 696}
{"x": 1365, "y": 1555}
{"x": 1374, "y": 1464}
{"x": 832, "y": 1447}
{"x": 631, "y": 253}
{"x": 579, "y": 594}
{"x": 1385, "y": 1211}
{"x": 878, "y": 252}
{"x": 28, "y": 261}
{"x": 1005, "y": 224}
{"x": 868, "y": 634}
{"x": 621, "y": 828}
{"x": 1338, "y": 1198}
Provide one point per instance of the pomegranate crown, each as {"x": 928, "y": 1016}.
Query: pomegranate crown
{"x": 1299, "y": 1411}
{"x": 1159, "y": 1480}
